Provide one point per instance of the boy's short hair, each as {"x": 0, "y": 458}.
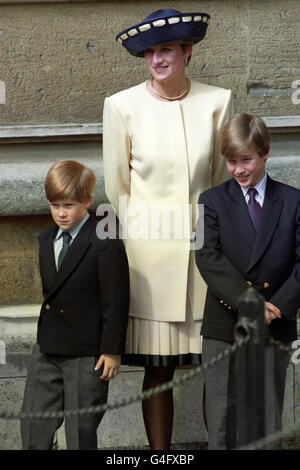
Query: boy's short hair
{"x": 68, "y": 179}
{"x": 244, "y": 131}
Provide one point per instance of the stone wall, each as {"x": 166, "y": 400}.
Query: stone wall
{"x": 59, "y": 60}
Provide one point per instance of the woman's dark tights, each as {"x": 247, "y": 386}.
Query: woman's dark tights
{"x": 158, "y": 410}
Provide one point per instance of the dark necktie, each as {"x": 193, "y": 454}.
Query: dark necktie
{"x": 66, "y": 243}
{"x": 254, "y": 208}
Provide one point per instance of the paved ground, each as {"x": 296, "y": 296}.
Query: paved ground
{"x": 286, "y": 444}
{"x": 194, "y": 446}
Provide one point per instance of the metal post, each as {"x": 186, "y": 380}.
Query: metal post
{"x": 249, "y": 368}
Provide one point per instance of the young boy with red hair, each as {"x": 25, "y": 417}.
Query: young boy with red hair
{"x": 83, "y": 318}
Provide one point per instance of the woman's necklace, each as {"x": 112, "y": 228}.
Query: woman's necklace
{"x": 171, "y": 98}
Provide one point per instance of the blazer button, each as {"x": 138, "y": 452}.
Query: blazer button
{"x": 62, "y": 311}
{"x": 266, "y": 284}
{"x": 249, "y": 283}
{"x": 47, "y": 307}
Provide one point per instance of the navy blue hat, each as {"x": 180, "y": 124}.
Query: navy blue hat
{"x": 163, "y": 26}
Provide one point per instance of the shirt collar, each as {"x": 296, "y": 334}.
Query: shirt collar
{"x": 260, "y": 186}
{"x": 74, "y": 230}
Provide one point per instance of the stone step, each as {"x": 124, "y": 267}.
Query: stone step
{"x": 20, "y": 178}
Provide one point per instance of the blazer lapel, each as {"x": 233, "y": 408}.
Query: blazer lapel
{"x": 269, "y": 219}
{"x": 75, "y": 254}
{"x": 239, "y": 212}
{"x": 47, "y": 257}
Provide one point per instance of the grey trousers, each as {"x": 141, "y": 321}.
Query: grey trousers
{"x": 57, "y": 383}
{"x": 220, "y": 393}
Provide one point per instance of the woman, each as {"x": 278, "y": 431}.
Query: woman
{"x": 160, "y": 151}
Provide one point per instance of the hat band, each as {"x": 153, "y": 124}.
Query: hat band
{"x": 159, "y": 23}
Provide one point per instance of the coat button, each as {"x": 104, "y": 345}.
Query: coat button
{"x": 266, "y": 284}
{"x": 47, "y": 307}
{"x": 62, "y": 311}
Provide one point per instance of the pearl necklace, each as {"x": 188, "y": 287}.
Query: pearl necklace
{"x": 173, "y": 98}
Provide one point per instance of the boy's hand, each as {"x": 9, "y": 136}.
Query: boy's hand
{"x": 111, "y": 366}
{"x": 271, "y": 312}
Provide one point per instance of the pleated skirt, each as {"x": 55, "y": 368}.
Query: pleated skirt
{"x": 170, "y": 344}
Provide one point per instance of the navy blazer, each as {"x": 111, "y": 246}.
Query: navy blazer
{"x": 86, "y": 303}
{"x": 234, "y": 256}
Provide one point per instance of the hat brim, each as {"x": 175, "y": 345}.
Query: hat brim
{"x": 183, "y": 26}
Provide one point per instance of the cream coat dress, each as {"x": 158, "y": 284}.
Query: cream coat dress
{"x": 158, "y": 156}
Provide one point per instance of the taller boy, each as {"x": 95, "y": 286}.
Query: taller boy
{"x": 251, "y": 237}
{"x": 83, "y": 319}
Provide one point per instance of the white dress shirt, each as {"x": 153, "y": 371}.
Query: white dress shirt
{"x": 260, "y": 188}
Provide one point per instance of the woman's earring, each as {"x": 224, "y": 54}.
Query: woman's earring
{"x": 186, "y": 61}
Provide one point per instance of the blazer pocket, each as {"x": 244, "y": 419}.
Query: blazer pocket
{"x": 282, "y": 243}
{"x": 89, "y": 326}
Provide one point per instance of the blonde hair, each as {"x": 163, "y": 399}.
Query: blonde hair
{"x": 244, "y": 131}
{"x": 68, "y": 179}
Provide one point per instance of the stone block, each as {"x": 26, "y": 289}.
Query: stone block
{"x": 11, "y": 393}
{"x": 285, "y": 169}
{"x": 19, "y": 271}
{"x": 22, "y": 178}
{"x": 61, "y": 71}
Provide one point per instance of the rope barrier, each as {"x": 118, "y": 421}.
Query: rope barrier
{"x": 130, "y": 400}
{"x": 259, "y": 444}
{"x": 281, "y": 346}
{"x": 271, "y": 438}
